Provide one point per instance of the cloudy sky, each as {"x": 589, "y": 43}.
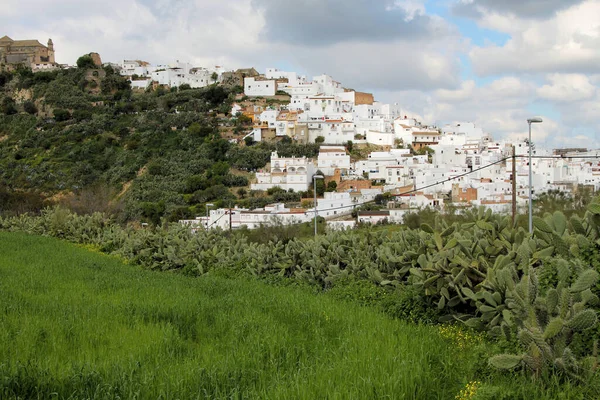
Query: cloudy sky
{"x": 492, "y": 62}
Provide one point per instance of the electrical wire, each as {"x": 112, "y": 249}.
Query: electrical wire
{"x": 439, "y": 182}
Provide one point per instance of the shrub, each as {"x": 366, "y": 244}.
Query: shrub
{"x": 61, "y": 115}
{"x": 29, "y": 107}
{"x": 85, "y": 61}
{"x": 408, "y": 303}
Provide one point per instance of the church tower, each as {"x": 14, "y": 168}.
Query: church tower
{"x": 51, "y": 51}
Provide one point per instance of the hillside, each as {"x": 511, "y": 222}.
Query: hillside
{"x": 83, "y": 138}
{"x": 84, "y": 325}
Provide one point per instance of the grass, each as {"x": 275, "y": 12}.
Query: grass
{"x": 77, "y": 324}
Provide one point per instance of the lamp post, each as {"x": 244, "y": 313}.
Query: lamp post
{"x": 315, "y": 177}
{"x": 208, "y": 206}
{"x": 536, "y": 120}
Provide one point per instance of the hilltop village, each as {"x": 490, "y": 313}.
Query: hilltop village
{"x": 370, "y": 152}
{"x": 415, "y": 165}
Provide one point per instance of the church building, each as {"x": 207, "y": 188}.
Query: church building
{"x": 30, "y": 53}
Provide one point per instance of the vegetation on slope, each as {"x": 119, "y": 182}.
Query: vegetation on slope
{"x": 84, "y": 135}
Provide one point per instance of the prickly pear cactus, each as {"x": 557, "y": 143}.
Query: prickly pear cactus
{"x": 545, "y": 324}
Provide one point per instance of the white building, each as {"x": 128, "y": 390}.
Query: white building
{"x": 253, "y": 87}
{"x": 375, "y": 165}
{"x": 466, "y": 128}
{"x": 286, "y": 173}
{"x": 332, "y": 158}
{"x": 334, "y": 204}
{"x": 236, "y": 218}
{"x": 141, "y": 74}
{"x": 333, "y": 131}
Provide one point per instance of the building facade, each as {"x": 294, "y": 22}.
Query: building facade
{"x": 30, "y": 53}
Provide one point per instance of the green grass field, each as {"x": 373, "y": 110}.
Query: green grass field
{"x": 77, "y": 324}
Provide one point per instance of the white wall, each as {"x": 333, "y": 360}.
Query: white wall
{"x": 253, "y": 87}
{"x": 331, "y": 158}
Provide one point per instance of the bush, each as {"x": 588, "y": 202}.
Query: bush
{"x": 408, "y": 303}
{"x": 61, "y": 115}
{"x": 29, "y": 107}
{"x": 85, "y": 61}
{"x": 8, "y": 106}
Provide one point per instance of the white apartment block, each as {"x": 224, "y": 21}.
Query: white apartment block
{"x": 334, "y": 131}
{"x": 286, "y": 173}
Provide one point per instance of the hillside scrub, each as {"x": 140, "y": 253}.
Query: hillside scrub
{"x": 69, "y": 137}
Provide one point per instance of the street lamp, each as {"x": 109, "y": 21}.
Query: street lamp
{"x": 315, "y": 177}
{"x": 208, "y": 206}
{"x": 536, "y": 120}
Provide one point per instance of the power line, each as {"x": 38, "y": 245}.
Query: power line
{"x": 439, "y": 182}
{"x": 415, "y": 190}
{"x": 561, "y": 157}
{"x": 217, "y": 220}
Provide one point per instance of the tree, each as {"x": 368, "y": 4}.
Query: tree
{"x": 286, "y": 140}
{"x": 85, "y": 61}
{"x": 152, "y": 212}
{"x": 412, "y": 220}
{"x": 214, "y": 76}
{"x": 249, "y": 140}
{"x": 382, "y": 199}
{"x": 61, "y": 115}
{"x": 349, "y": 146}
{"x": 320, "y": 139}
{"x": 29, "y": 107}
{"x": 320, "y": 187}
{"x": 242, "y": 192}
{"x": 332, "y": 186}
{"x": 8, "y": 106}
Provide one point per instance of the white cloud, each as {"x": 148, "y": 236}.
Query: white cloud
{"x": 384, "y": 66}
{"x": 233, "y": 34}
{"x": 567, "y": 42}
{"x": 502, "y": 107}
{"x": 400, "y": 53}
{"x": 523, "y": 8}
{"x": 412, "y": 8}
{"x": 567, "y": 88}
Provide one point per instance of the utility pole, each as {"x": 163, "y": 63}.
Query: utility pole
{"x": 514, "y": 185}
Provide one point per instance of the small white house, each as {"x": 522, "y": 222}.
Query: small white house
{"x": 253, "y": 87}
{"x": 287, "y": 173}
{"x": 332, "y": 158}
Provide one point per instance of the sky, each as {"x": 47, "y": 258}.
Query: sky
{"x": 492, "y": 62}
